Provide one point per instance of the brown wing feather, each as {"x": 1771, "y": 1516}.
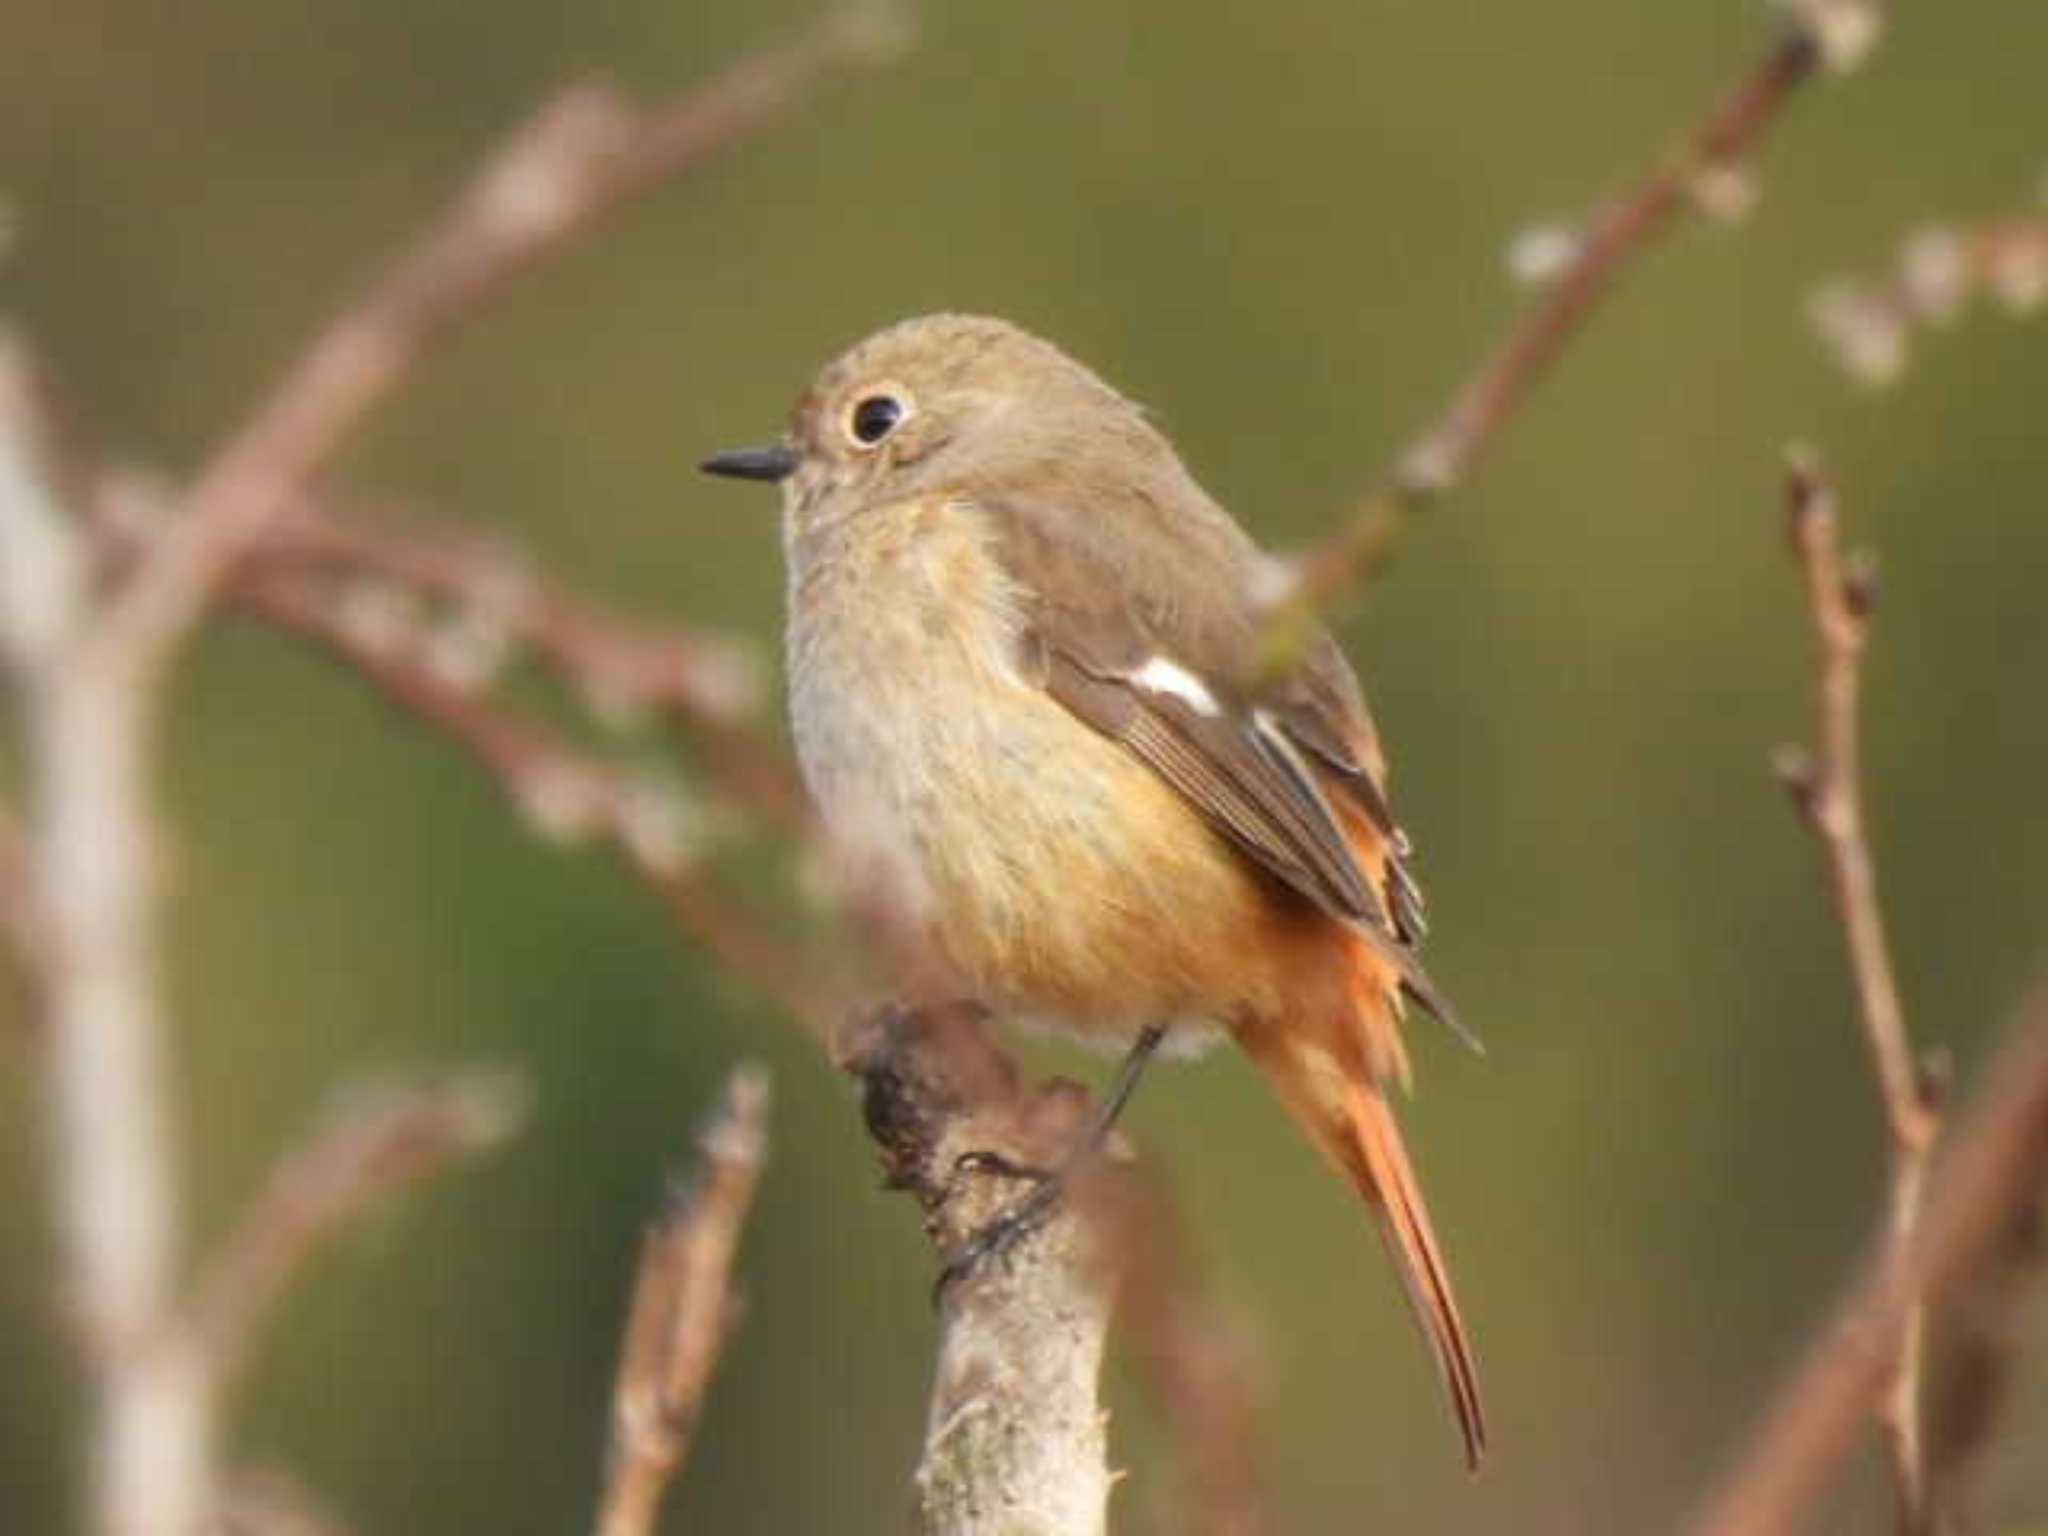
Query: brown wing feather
{"x": 1276, "y": 817}
{"x": 1109, "y": 582}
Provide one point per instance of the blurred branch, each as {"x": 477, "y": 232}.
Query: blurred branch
{"x": 382, "y": 1143}
{"x": 93, "y": 886}
{"x": 1014, "y": 1435}
{"x": 708, "y": 683}
{"x": 683, "y": 1310}
{"x": 580, "y": 158}
{"x": 1192, "y": 1360}
{"x": 563, "y": 794}
{"x": 21, "y": 930}
{"x": 87, "y": 672}
{"x": 1983, "y": 1349}
{"x": 269, "y": 1502}
{"x": 1827, "y": 788}
{"x": 1443, "y": 456}
{"x": 1995, "y": 1168}
{"x": 1869, "y": 325}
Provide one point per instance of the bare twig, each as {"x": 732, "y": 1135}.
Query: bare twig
{"x": 704, "y": 679}
{"x": 582, "y": 157}
{"x": 683, "y": 1310}
{"x": 705, "y": 682}
{"x": 1870, "y": 325}
{"x": 1827, "y": 788}
{"x": 93, "y": 884}
{"x": 1995, "y": 1167}
{"x": 564, "y": 794}
{"x": 377, "y": 1144}
{"x": 1444, "y": 455}
{"x": 1014, "y": 1438}
{"x": 1192, "y": 1359}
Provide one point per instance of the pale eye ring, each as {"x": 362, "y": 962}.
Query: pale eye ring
{"x": 875, "y": 415}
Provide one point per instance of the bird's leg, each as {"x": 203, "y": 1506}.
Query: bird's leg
{"x": 1027, "y": 1214}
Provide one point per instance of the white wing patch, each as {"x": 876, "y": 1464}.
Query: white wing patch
{"x": 1161, "y": 675}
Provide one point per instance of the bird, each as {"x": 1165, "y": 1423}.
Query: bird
{"x": 1019, "y": 639}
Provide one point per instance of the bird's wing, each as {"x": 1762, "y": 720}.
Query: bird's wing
{"x": 1139, "y": 630}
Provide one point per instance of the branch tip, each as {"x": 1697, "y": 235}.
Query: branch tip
{"x": 684, "y": 1310}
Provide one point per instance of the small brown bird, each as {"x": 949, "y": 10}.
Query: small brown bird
{"x": 1017, "y": 630}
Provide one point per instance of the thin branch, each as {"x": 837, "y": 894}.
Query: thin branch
{"x": 376, "y": 1145}
{"x": 1827, "y": 788}
{"x": 704, "y": 679}
{"x": 1444, "y": 455}
{"x": 1828, "y": 791}
{"x": 1014, "y": 1436}
{"x": 1192, "y": 1359}
{"x": 682, "y": 1313}
{"x": 709, "y": 684}
{"x": 1870, "y": 325}
{"x": 1995, "y": 1167}
{"x": 563, "y": 794}
{"x": 579, "y": 159}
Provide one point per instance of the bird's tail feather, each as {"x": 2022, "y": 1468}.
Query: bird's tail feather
{"x": 1386, "y": 1179}
{"x": 1345, "y": 1112}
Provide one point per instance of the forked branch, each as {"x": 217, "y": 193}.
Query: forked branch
{"x": 1827, "y": 788}
{"x": 1995, "y": 1169}
{"x": 683, "y": 1310}
{"x": 583, "y": 156}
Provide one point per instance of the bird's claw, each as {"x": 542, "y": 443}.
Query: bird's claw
{"x": 1001, "y": 1166}
{"x": 1002, "y": 1231}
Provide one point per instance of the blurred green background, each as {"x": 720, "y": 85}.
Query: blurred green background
{"x": 1285, "y": 233}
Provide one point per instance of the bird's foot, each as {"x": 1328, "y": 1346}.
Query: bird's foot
{"x": 1012, "y": 1224}
{"x": 1019, "y": 1220}
{"x": 1004, "y": 1168}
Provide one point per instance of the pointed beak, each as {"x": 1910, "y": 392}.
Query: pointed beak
{"x": 776, "y": 462}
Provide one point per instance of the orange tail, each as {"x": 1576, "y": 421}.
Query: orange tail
{"x": 1347, "y": 1115}
{"x": 1387, "y": 1180}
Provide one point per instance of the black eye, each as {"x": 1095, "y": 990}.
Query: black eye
{"x": 876, "y": 417}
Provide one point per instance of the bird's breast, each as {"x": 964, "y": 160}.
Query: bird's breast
{"x": 1053, "y": 867}
{"x": 903, "y": 682}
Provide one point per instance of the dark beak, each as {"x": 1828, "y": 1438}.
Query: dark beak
{"x": 777, "y": 462}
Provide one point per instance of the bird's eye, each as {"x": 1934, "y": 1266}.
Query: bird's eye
{"x": 874, "y": 418}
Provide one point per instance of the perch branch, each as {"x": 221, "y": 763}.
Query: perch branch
{"x": 1444, "y": 455}
{"x": 385, "y": 1142}
{"x": 1014, "y": 1437}
{"x": 1827, "y": 788}
{"x": 580, "y": 158}
{"x": 1995, "y": 1168}
{"x": 683, "y": 1310}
